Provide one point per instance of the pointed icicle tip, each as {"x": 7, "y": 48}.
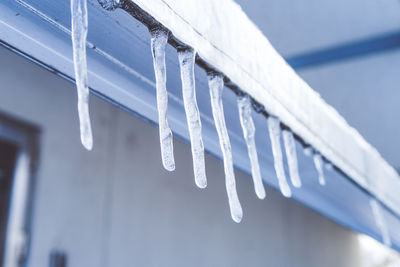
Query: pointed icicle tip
{"x": 237, "y": 218}
{"x": 201, "y": 185}
{"x": 286, "y": 191}
{"x": 87, "y": 143}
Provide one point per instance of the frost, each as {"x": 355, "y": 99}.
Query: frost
{"x": 319, "y": 163}
{"x": 159, "y": 39}
{"x": 290, "y": 148}
{"x": 216, "y": 85}
{"x": 186, "y": 62}
{"x": 249, "y": 129}
{"x": 275, "y": 134}
{"x": 79, "y": 29}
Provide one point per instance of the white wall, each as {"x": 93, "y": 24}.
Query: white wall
{"x": 116, "y": 206}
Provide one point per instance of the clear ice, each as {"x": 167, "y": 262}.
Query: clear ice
{"x": 378, "y": 216}
{"x": 79, "y": 29}
{"x": 159, "y": 39}
{"x": 319, "y": 163}
{"x": 186, "y": 63}
{"x": 275, "y": 134}
{"x": 244, "y": 106}
{"x": 216, "y": 84}
{"x": 290, "y": 148}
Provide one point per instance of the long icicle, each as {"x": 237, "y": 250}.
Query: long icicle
{"x": 319, "y": 164}
{"x": 216, "y": 84}
{"x": 291, "y": 155}
{"x": 186, "y": 63}
{"x": 79, "y": 29}
{"x": 159, "y": 39}
{"x": 275, "y": 134}
{"x": 380, "y": 222}
{"x": 244, "y": 106}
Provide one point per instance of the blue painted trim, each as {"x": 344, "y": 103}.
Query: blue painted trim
{"x": 346, "y": 51}
{"x": 40, "y": 32}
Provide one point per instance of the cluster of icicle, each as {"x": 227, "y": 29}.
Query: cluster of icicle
{"x": 186, "y": 56}
{"x": 159, "y": 39}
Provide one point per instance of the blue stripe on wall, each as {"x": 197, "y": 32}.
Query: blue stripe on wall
{"x": 345, "y": 51}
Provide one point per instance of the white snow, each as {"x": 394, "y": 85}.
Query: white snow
{"x": 79, "y": 29}
{"x": 186, "y": 63}
{"x": 244, "y": 106}
{"x": 319, "y": 164}
{"x": 290, "y": 148}
{"x": 380, "y": 222}
{"x": 274, "y": 129}
{"x": 216, "y": 84}
{"x": 159, "y": 39}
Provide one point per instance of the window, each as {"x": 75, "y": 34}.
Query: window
{"x": 18, "y": 155}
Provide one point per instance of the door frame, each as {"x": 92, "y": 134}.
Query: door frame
{"x": 18, "y": 229}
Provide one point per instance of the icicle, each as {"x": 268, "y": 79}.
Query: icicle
{"x": 249, "y": 129}
{"x": 186, "y": 62}
{"x": 380, "y": 222}
{"x": 79, "y": 28}
{"x": 329, "y": 166}
{"x": 275, "y": 134}
{"x": 290, "y": 148}
{"x": 319, "y": 163}
{"x": 216, "y": 85}
{"x": 159, "y": 39}
{"x": 308, "y": 151}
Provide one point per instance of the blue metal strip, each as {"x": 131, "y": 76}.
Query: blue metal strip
{"x": 346, "y": 51}
{"x": 120, "y": 69}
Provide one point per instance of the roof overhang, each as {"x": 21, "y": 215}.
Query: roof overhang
{"x": 120, "y": 70}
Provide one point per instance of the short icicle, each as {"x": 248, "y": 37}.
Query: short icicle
{"x": 308, "y": 151}
{"x": 216, "y": 84}
{"x": 244, "y": 106}
{"x": 319, "y": 163}
{"x": 186, "y": 62}
{"x": 291, "y": 155}
{"x": 275, "y": 134}
{"x": 380, "y": 222}
{"x": 79, "y": 29}
{"x": 329, "y": 166}
{"x": 159, "y": 39}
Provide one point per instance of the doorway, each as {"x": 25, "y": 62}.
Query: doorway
{"x": 8, "y": 155}
{"x": 18, "y": 157}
